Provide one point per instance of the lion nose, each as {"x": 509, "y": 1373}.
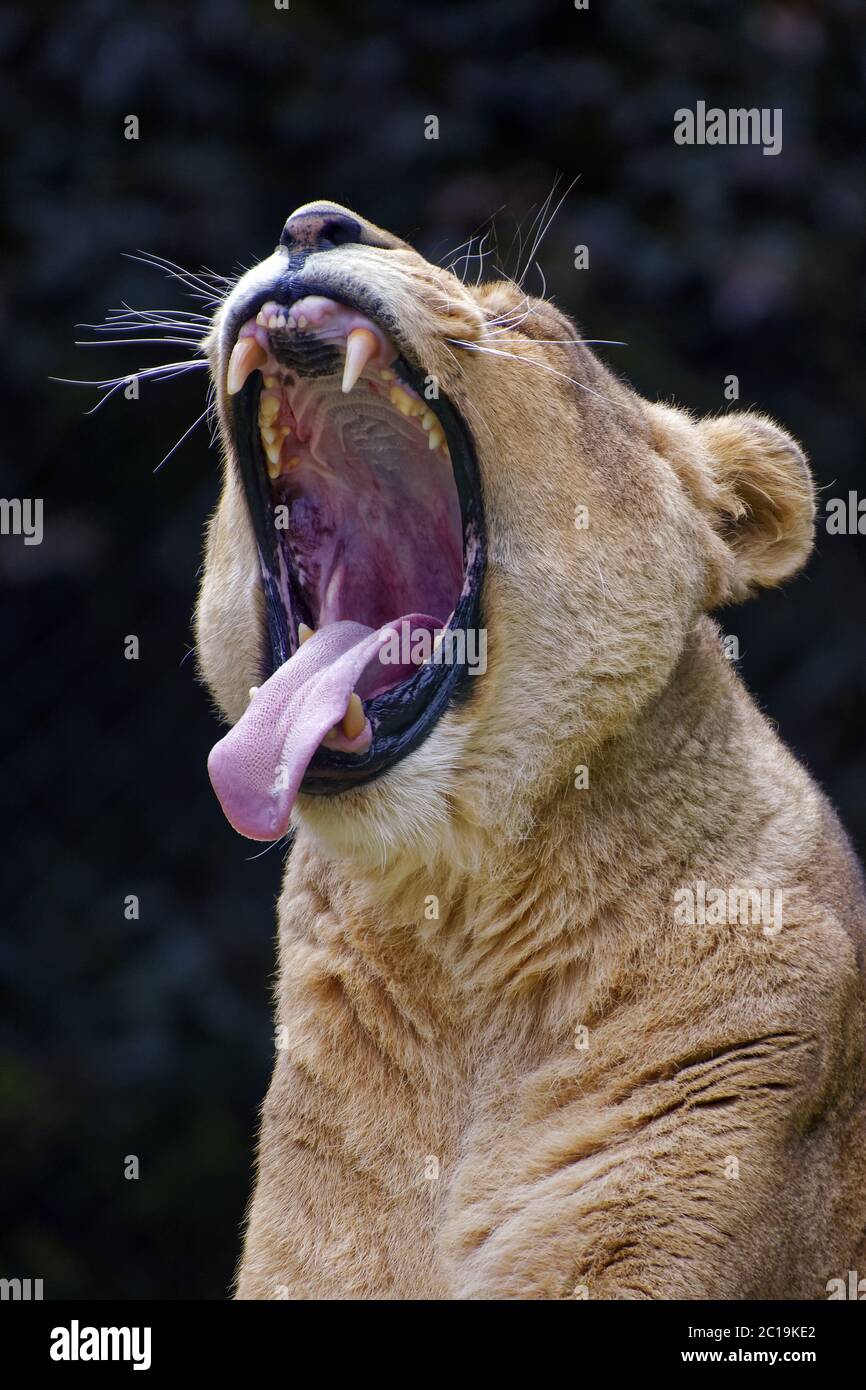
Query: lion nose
{"x": 320, "y": 228}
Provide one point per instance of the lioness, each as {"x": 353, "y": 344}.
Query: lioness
{"x": 570, "y": 995}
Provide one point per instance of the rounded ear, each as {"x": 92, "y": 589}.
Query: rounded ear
{"x": 764, "y": 498}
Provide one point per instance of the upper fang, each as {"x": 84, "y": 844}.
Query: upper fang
{"x": 246, "y": 356}
{"x": 361, "y": 348}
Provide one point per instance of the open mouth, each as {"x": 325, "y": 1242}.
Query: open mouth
{"x": 364, "y": 496}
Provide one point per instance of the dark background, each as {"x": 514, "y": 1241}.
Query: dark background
{"x": 153, "y": 1037}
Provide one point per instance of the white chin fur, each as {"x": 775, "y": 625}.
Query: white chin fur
{"x": 404, "y": 813}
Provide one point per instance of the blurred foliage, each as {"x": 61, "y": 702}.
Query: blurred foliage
{"x": 153, "y": 1037}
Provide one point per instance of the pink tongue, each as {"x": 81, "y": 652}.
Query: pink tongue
{"x": 257, "y": 768}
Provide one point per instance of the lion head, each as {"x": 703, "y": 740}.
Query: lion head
{"x": 453, "y": 552}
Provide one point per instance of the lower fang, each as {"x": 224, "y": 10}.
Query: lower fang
{"x": 354, "y": 719}
{"x": 304, "y": 633}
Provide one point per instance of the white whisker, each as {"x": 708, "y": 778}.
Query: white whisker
{"x": 190, "y": 331}
{"x": 536, "y": 245}
{"x": 514, "y": 357}
{"x": 509, "y": 323}
{"x": 109, "y": 385}
{"x": 206, "y": 279}
{"x": 184, "y": 436}
{"x": 127, "y": 310}
{"x": 197, "y": 288}
{"x": 572, "y": 342}
{"x": 481, "y": 257}
{"x": 537, "y": 222}
{"x": 133, "y": 342}
{"x": 454, "y": 253}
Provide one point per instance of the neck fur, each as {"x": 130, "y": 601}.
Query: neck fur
{"x": 501, "y": 920}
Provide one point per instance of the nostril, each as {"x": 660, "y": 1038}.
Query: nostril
{"x": 339, "y": 231}
{"x": 320, "y": 229}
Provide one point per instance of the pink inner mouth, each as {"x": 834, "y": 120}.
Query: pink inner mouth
{"x": 366, "y": 504}
{"x": 373, "y": 525}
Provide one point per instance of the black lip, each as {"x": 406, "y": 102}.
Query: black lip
{"x": 401, "y": 718}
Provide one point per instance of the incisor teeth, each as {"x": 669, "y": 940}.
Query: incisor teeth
{"x": 246, "y": 357}
{"x": 435, "y": 437}
{"x": 361, "y": 347}
{"x": 304, "y": 633}
{"x": 354, "y": 719}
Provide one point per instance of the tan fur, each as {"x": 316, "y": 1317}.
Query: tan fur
{"x": 438, "y": 1125}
